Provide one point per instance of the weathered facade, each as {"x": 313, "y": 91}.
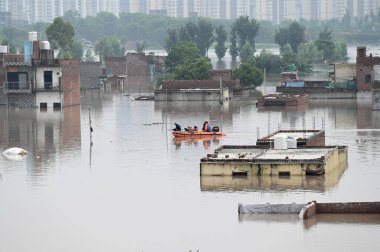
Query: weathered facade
{"x": 39, "y": 80}
{"x": 260, "y": 161}
{"x": 365, "y": 69}
{"x": 90, "y": 75}
{"x": 195, "y": 90}
{"x": 135, "y": 70}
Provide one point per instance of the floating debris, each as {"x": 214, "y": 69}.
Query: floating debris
{"x": 15, "y": 153}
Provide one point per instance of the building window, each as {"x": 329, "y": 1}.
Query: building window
{"x": 367, "y": 78}
{"x": 43, "y": 106}
{"x": 56, "y": 105}
{"x": 48, "y": 79}
{"x": 17, "y": 80}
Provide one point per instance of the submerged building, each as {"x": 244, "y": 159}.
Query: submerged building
{"x": 38, "y": 80}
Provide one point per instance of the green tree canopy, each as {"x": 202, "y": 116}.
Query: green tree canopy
{"x": 234, "y": 51}
{"x": 60, "y": 34}
{"x": 287, "y": 55}
{"x": 249, "y": 75}
{"x": 325, "y": 44}
{"x": 193, "y": 70}
{"x": 110, "y": 46}
{"x": 308, "y": 54}
{"x": 205, "y": 35}
{"x": 271, "y": 62}
{"x": 171, "y": 40}
{"x": 247, "y": 53}
{"x": 294, "y": 35}
{"x": 243, "y": 31}
{"x": 221, "y": 37}
{"x": 181, "y": 53}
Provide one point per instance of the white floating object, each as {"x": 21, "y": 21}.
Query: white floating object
{"x": 15, "y": 153}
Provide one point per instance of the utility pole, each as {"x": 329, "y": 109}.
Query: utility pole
{"x": 91, "y": 130}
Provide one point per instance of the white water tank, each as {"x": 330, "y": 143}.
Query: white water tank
{"x": 3, "y": 49}
{"x": 45, "y": 45}
{"x": 33, "y": 36}
{"x": 280, "y": 142}
{"x": 292, "y": 143}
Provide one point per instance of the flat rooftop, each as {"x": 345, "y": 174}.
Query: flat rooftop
{"x": 258, "y": 153}
{"x": 295, "y": 135}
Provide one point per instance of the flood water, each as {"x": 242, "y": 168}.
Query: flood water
{"x": 136, "y": 189}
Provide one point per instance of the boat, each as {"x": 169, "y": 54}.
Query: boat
{"x": 191, "y": 134}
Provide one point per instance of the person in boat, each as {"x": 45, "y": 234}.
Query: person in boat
{"x": 195, "y": 129}
{"x": 205, "y": 126}
{"x": 177, "y": 127}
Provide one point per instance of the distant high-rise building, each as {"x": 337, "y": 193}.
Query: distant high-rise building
{"x": 125, "y": 6}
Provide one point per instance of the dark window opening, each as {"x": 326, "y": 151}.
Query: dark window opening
{"x": 48, "y": 79}
{"x": 43, "y": 106}
{"x": 367, "y": 78}
{"x": 239, "y": 173}
{"x": 17, "y": 80}
{"x": 56, "y": 105}
{"x": 284, "y": 173}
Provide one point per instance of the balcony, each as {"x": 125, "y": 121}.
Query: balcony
{"x": 17, "y": 87}
{"x": 48, "y": 87}
{"x": 46, "y": 63}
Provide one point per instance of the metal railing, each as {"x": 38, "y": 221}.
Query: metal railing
{"x": 48, "y": 86}
{"x": 52, "y": 63}
{"x": 17, "y": 87}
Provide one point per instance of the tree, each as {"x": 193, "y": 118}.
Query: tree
{"x": 246, "y": 30}
{"x": 325, "y": 44}
{"x": 247, "y": 53}
{"x": 140, "y": 46}
{"x": 234, "y": 52}
{"x": 109, "y": 46}
{"x": 77, "y": 50}
{"x": 294, "y": 35}
{"x": 11, "y": 46}
{"x": 287, "y": 55}
{"x": 188, "y": 32}
{"x": 271, "y": 62}
{"x": 61, "y": 34}
{"x": 180, "y": 53}
{"x": 205, "y": 36}
{"x": 249, "y": 75}
{"x": 221, "y": 37}
{"x": 171, "y": 40}
{"x": 308, "y": 54}
{"x": 340, "y": 50}
{"x": 193, "y": 70}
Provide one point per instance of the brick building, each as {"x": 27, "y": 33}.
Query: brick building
{"x": 365, "y": 75}
{"x": 90, "y": 75}
{"x": 37, "y": 80}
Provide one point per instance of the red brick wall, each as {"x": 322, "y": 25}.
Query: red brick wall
{"x": 361, "y": 72}
{"x": 70, "y": 82}
{"x": 349, "y": 207}
{"x": 364, "y": 66}
{"x": 117, "y": 64}
{"x": 8, "y": 58}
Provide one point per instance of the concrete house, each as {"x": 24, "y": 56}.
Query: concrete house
{"x": 40, "y": 81}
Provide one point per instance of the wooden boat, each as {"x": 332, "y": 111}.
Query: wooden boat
{"x": 193, "y": 134}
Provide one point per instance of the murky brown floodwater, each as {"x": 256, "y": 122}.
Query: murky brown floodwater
{"x": 136, "y": 189}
